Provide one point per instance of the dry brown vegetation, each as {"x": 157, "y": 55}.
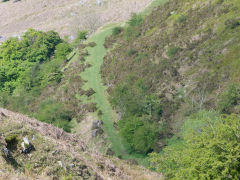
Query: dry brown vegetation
{"x": 64, "y": 16}
{"x": 69, "y": 148}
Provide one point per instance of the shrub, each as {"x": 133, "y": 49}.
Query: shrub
{"x": 117, "y": 30}
{"x": 91, "y": 107}
{"x": 232, "y": 23}
{"x": 133, "y": 29}
{"x": 55, "y": 113}
{"x": 136, "y": 20}
{"x": 89, "y": 92}
{"x": 82, "y": 35}
{"x": 172, "y": 51}
{"x": 210, "y": 151}
{"x": 139, "y": 133}
{"x": 131, "y": 52}
{"x": 229, "y": 99}
{"x": 92, "y": 44}
{"x": 62, "y": 50}
{"x": 181, "y": 18}
{"x": 20, "y": 57}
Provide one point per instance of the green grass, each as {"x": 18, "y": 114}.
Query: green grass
{"x": 93, "y": 77}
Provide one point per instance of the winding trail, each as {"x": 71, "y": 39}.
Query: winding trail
{"x": 94, "y": 81}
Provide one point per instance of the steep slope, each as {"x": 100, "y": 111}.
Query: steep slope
{"x": 182, "y": 58}
{"x": 56, "y": 154}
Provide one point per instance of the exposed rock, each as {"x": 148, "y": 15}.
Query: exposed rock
{"x": 60, "y": 163}
{"x": 6, "y": 152}
{"x": 2, "y": 115}
{"x": 54, "y": 152}
{"x": 94, "y": 132}
{"x": 27, "y": 147}
{"x": 99, "y": 2}
{"x": 96, "y": 128}
{"x": 97, "y": 124}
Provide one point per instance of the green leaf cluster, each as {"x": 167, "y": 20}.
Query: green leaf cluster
{"x": 209, "y": 149}
{"x": 139, "y": 110}
{"x": 21, "y": 57}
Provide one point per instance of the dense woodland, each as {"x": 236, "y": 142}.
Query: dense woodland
{"x": 28, "y": 65}
{"x": 172, "y": 78}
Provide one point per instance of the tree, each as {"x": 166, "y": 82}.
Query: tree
{"x": 62, "y": 50}
{"x": 210, "y": 151}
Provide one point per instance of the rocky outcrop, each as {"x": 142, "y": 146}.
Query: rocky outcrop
{"x": 97, "y": 127}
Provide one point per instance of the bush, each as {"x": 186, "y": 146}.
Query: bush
{"x": 131, "y": 52}
{"x": 210, "y": 151}
{"x": 89, "y": 92}
{"x": 82, "y": 35}
{"x": 229, "y": 99}
{"x": 133, "y": 29}
{"x": 92, "y": 44}
{"x": 20, "y": 56}
{"x": 172, "y": 51}
{"x": 182, "y": 18}
{"x": 116, "y": 31}
{"x": 136, "y": 20}
{"x": 55, "y": 113}
{"x": 62, "y": 50}
{"x": 232, "y": 23}
{"x": 139, "y": 133}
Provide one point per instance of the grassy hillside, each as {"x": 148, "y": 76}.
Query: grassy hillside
{"x": 56, "y": 154}
{"x": 166, "y": 68}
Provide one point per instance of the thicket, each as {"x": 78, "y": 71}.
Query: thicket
{"x": 139, "y": 109}
{"x": 208, "y": 149}
{"x": 229, "y": 99}
{"x": 28, "y": 65}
